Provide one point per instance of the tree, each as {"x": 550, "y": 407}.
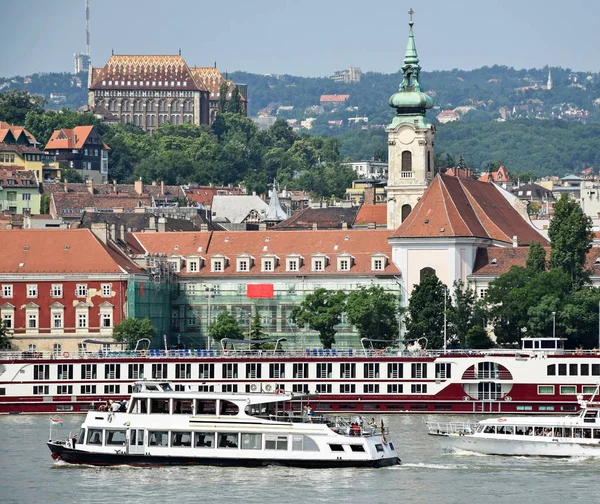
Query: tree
{"x": 4, "y": 335}
{"x": 222, "y": 103}
{"x": 374, "y": 312}
{"x": 226, "y": 326}
{"x": 460, "y": 313}
{"x": 536, "y": 259}
{"x": 477, "y": 337}
{"x": 235, "y": 102}
{"x": 15, "y": 104}
{"x": 130, "y": 330}
{"x": 256, "y": 328}
{"x": 45, "y": 204}
{"x": 425, "y": 318}
{"x": 321, "y": 311}
{"x": 70, "y": 175}
{"x": 570, "y": 234}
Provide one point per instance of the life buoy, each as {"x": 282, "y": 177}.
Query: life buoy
{"x": 276, "y": 391}
{"x": 36, "y": 355}
{"x": 66, "y": 355}
{"x": 501, "y": 419}
{"x": 143, "y": 353}
{"x": 55, "y": 456}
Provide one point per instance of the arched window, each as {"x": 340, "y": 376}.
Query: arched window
{"x": 425, "y": 272}
{"x": 405, "y": 211}
{"x": 406, "y": 160}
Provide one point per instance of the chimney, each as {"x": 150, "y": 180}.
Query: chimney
{"x": 315, "y": 227}
{"x": 162, "y": 187}
{"x": 154, "y": 183}
{"x": 89, "y": 184}
{"x": 262, "y": 226}
{"x": 122, "y": 232}
{"x": 203, "y": 227}
{"x": 115, "y": 186}
{"x": 344, "y": 225}
{"x": 138, "y": 185}
{"x": 113, "y": 232}
{"x": 162, "y": 224}
{"x": 27, "y": 212}
{"x": 152, "y": 222}
{"x": 369, "y": 195}
{"x": 100, "y": 231}
{"x": 515, "y": 241}
{"x": 66, "y": 186}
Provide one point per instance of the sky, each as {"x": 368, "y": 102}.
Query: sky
{"x": 303, "y": 37}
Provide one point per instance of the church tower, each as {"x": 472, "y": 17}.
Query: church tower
{"x": 410, "y": 140}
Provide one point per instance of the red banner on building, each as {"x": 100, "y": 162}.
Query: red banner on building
{"x": 264, "y": 291}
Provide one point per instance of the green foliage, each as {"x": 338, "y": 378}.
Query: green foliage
{"x": 477, "y": 337}
{"x": 15, "y": 105}
{"x": 45, "y": 204}
{"x": 43, "y": 123}
{"x": 374, "y": 312}
{"x": 536, "y": 259}
{"x": 4, "y": 336}
{"x": 130, "y": 330}
{"x": 460, "y": 313}
{"x": 70, "y": 175}
{"x": 578, "y": 318}
{"x": 222, "y": 103}
{"x": 256, "y": 328}
{"x": 321, "y": 311}
{"x": 234, "y": 106}
{"x": 570, "y": 234}
{"x": 425, "y": 318}
{"x": 226, "y": 326}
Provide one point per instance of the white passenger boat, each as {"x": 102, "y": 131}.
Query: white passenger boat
{"x": 566, "y": 436}
{"x": 161, "y": 426}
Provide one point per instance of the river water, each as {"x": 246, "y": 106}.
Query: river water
{"x": 427, "y": 475}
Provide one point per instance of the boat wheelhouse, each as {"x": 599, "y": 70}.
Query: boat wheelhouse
{"x": 544, "y": 379}
{"x": 162, "y": 426}
{"x": 547, "y": 436}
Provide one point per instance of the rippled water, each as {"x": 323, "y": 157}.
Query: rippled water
{"x": 28, "y": 475}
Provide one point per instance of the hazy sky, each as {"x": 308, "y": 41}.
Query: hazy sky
{"x": 303, "y": 37}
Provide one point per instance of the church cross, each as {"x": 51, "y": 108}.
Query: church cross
{"x": 410, "y": 13}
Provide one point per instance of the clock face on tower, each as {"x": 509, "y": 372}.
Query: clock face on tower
{"x": 406, "y": 136}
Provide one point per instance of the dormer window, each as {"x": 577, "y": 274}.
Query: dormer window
{"x": 244, "y": 262}
{"x": 378, "y": 262}
{"x": 293, "y": 262}
{"x": 344, "y": 262}
{"x": 218, "y": 264}
{"x": 269, "y": 263}
{"x": 194, "y": 264}
{"x": 174, "y": 264}
{"x": 319, "y": 262}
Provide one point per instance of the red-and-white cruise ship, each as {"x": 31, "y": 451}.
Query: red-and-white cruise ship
{"x": 542, "y": 377}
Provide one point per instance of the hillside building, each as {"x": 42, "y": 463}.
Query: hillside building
{"x": 347, "y": 76}
{"x": 150, "y": 90}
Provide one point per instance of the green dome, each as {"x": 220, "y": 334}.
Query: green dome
{"x": 410, "y": 101}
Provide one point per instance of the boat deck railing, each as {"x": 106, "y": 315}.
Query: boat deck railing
{"x": 316, "y": 353}
{"x": 458, "y": 428}
{"x": 340, "y": 425}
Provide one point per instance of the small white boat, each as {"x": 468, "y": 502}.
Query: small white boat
{"x": 162, "y": 426}
{"x": 566, "y": 436}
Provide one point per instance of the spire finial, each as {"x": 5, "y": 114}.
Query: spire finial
{"x": 410, "y": 13}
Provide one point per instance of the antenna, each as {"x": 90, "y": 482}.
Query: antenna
{"x": 87, "y": 27}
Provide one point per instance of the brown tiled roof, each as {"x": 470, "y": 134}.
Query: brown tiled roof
{"x": 75, "y": 203}
{"x": 494, "y": 261}
{"x": 20, "y": 149}
{"x": 210, "y": 79}
{"x": 154, "y": 191}
{"x": 359, "y": 245}
{"x": 20, "y": 178}
{"x": 369, "y": 214}
{"x": 68, "y": 251}
{"x": 459, "y": 207}
{"x": 203, "y": 195}
{"x": 324, "y": 218}
{"x": 501, "y": 175}
{"x": 159, "y": 72}
{"x": 334, "y": 98}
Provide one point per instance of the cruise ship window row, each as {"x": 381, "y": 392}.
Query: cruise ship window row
{"x": 566, "y": 389}
{"x": 574, "y": 369}
{"x": 320, "y": 388}
{"x": 233, "y": 371}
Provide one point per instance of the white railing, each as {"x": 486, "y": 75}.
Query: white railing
{"x": 457, "y": 428}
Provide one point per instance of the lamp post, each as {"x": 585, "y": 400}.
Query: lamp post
{"x": 554, "y": 324}
{"x": 445, "y": 321}
{"x": 209, "y": 294}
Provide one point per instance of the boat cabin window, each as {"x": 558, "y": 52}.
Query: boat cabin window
{"x": 181, "y": 439}
{"x": 139, "y": 406}
{"x": 276, "y": 443}
{"x": 115, "y": 437}
{"x": 206, "y": 407}
{"x": 229, "y": 408}
{"x": 304, "y": 443}
{"x": 94, "y": 436}
{"x": 489, "y": 429}
{"x": 158, "y": 438}
{"x": 251, "y": 441}
{"x": 260, "y": 409}
{"x": 228, "y": 440}
{"x": 81, "y": 435}
{"x": 182, "y": 407}
{"x": 159, "y": 406}
{"x": 204, "y": 440}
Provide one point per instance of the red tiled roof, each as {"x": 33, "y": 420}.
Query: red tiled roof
{"x": 459, "y": 207}
{"x": 65, "y": 251}
{"x": 369, "y": 214}
{"x": 203, "y": 195}
{"x": 501, "y": 175}
{"x": 324, "y": 218}
{"x": 360, "y": 245}
{"x": 334, "y": 98}
{"x": 75, "y": 203}
{"x": 16, "y": 131}
{"x": 20, "y": 178}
